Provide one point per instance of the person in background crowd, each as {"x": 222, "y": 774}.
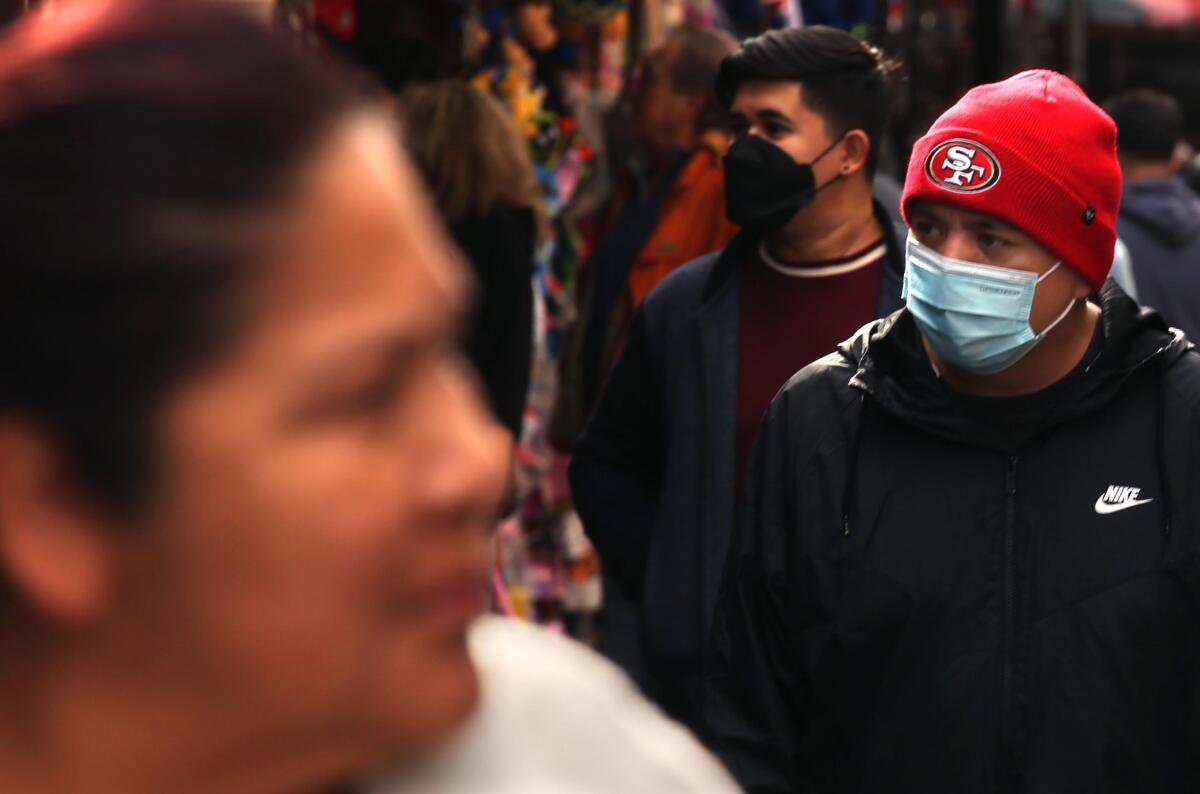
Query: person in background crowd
{"x": 656, "y": 472}
{"x": 969, "y": 555}
{"x": 1190, "y": 168}
{"x": 1159, "y": 220}
{"x": 669, "y": 207}
{"x": 475, "y": 160}
{"x": 244, "y": 481}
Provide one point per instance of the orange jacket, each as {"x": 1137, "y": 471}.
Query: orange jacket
{"x": 691, "y": 222}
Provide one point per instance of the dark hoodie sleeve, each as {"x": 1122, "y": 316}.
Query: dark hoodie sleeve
{"x": 754, "y": 694}
{"x": 617, "y": 467}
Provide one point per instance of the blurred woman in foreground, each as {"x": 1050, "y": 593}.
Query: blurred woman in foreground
{"x": 244, "y": 482}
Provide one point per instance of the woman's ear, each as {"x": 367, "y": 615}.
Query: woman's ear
{"x": 54, "y": 550}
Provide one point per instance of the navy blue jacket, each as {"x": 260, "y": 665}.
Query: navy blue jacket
{"x": 1160, "y": 224}
{"x": 653, "y": 473}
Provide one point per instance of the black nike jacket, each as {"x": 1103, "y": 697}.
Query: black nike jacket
{"x": 931, "y": 592}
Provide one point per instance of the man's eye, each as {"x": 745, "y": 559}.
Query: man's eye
{"x": 775, "y": 130}
{"x": 991, "y": 242}
{"x": 922, "y": 228}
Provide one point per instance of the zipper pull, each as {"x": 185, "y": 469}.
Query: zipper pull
{"x": 1010, "y": 476}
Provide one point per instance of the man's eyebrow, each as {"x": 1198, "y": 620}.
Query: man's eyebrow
{"x": 974, "y": 225}
{"x": 771, "y": 114}
{"x": 764, "y": 115}
{"x": 988, "y": 224}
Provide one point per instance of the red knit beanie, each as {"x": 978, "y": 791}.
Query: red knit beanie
{"x": 1034, "y": 152}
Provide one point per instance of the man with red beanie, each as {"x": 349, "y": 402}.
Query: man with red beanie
{"x": 970, "y": 555}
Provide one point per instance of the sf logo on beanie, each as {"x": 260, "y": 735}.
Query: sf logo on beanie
{"x": 962, "y": 166}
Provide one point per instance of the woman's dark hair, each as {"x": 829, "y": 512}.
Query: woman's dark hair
{"x": 138, "y": 139}
{"x": 846, "y": 82}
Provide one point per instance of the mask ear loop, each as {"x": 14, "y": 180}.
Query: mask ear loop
{"x": 1047, "y": 274}
{"x": 1065, "y": 312}
{"x": 828, "y": 149}
{"x": 817, "y": 159}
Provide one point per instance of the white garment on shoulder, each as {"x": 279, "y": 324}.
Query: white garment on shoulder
{"x": 1122, "y": 269}
{"x": 555, "y": 716}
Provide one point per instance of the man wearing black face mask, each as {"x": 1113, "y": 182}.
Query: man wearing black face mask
{"x": 657, "y": 472}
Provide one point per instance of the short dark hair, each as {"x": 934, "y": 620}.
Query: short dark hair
{"x": 133, "y": 152}
{"x": 846, "y": 82}
{"x": 1149, "y": 124}
{"x": 695, "y": 66}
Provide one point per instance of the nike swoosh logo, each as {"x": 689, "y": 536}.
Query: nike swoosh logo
{"x": 1104, "y": 508}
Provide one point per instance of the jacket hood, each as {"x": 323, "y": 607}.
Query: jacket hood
{"x": 891, "y": 365}
{"x": 1167, "y": 208}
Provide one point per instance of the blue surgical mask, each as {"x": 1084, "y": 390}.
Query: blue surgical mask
{"x": 974, "y": 316}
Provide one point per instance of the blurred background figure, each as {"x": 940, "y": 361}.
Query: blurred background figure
{"x": 669, "y": 205}
{"x": 245, "y": 483}
{"x": 1159, "y": 220}
{"x": 1190, "y": 170}
{"x": 475, "y": 161}
{"x": 515, "y": 57}
{"x": 549, "y": 572}
{"x": 668, "y": 208}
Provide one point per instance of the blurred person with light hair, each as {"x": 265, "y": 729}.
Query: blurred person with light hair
{"x": 475, "y": 161}
{"x": 244, "y": 482}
